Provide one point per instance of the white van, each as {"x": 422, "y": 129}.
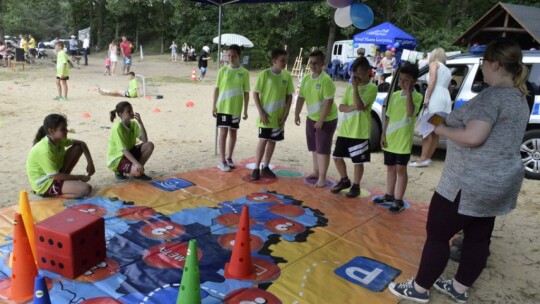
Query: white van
{"x": 345, "y": 50}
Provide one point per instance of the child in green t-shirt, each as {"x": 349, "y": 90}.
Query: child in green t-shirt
{"x": 230, "y": 97}
{"x": 355, "y": 127}
{"x": 52, "y": 158}
{"x": 397, "y": 137}
{"x": 62, "y": 71}
{"x": 132, "y": 91}
{"x": 273, "y": 97}
{"x": 124, "y": 155}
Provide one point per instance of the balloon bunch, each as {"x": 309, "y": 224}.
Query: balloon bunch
{"x": 394, "y": 47}
{"x": 349, "y": 13}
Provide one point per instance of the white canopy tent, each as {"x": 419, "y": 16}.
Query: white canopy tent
{"x": 230, "y": 39}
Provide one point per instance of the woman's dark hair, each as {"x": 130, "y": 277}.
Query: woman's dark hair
{"x": 278, "y": 52}
{"x": 508, "y": 53}
{"x": 360, "y": 62}
{"x": 120, "y": 107}
{"x": 52, "y": 121}
{"x": 236, "y": 48}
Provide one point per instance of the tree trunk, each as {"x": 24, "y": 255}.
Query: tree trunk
{"x": 100, "y": 12}
{"x": 117, "y": 29}
{"x": 389, "y": 10}
{"x": 2, "y": 11}
{"x": 331, "y": 39}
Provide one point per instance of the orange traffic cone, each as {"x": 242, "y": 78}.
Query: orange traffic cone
{"x": 193, "y": 75}
{"x": 24, "y": 268}
{"x": 26, "y": 212}
{"x": 240, "y": 266}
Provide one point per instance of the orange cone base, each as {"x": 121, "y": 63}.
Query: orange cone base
{"x": 6, "y": 293}
{"x": 247, "y": 277}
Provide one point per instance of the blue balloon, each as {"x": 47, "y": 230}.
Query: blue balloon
{"x": 397, "y": 45}
{"x": 361, "y": 15}
{"x": 389, "y": 47}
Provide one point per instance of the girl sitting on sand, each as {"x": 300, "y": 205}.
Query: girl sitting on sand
{"x": 49, "y": 163}
{"x": 123, "y": 155}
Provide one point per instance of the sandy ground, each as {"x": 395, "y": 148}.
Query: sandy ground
{"x": 184, "y": 140}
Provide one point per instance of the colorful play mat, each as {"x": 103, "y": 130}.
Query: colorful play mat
{"x": 307, "y": 244}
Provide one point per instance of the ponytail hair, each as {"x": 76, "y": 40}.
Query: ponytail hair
{"x": 120, "y": 107}
{"x": 508, "y": 53}
{"x": 52, "y": 121}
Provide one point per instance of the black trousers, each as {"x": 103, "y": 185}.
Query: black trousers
{"x": 442, "y": 224}
{"x": 85, "y": 56}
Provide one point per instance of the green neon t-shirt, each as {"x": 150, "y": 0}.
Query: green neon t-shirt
{"x": 45, "y": 160}
{"x": 357, "y": 124}
{"x": 315, "y": 92}
{"x": 273, "y": 90}
{"x": 61, "y": 59}
{"x": 400, "y": 130}
{"x": 121, "y": 138}
{"x": 133, "y": 86}
{"x": 232, "y": 83}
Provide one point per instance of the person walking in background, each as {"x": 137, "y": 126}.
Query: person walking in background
{"x": 113, "y": 54}
{"x": 437, "y": 99}
{"x": 231, "y": 96}
{"x": 107, "y": 66}
{"x": 124, "y": 156}
{"x": 86, "y": 48}
{"x": 318, "y": 90}
{"x": 185, "y": 50}
{"x": 125, "y": 49}
{"x": 174, "y": 51}
{"x": 50, "y": 161}
{"x": 397, "y": 137}
{"x": 203, "y": 61}
{"x": 487, "y": 130}
{"x": 388, "y": 65}
{"x": 273, "y": 98}
{"x": 73, "y": 47}
{"x": 62, "y": 71}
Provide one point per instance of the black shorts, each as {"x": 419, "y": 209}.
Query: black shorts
{"x": 392, "y": 159}
{"x": 273, "y": 134}
{"x": 63, "y": 77}
{"x": 355, "y": 149}
{"x": 227, "y": 121}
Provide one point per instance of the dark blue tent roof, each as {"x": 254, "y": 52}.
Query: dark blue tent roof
{"x": 385, "y": 34}
{"x": 224, "y": 2}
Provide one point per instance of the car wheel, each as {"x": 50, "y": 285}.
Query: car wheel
{"x": 530, "y": 154}
{"x": 375, "y": 136}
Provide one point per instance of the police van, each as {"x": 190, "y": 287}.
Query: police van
{"x": 467, "y": 82}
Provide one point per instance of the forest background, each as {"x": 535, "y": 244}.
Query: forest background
{"x": 156, "y": 23}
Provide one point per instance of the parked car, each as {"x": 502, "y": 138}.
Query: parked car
{"x": 467, "y": 80}
{"x": 50, "y": 45}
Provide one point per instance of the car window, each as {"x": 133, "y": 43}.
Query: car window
{"x": 458, "y": 76}
{"x": 534, "y": 77}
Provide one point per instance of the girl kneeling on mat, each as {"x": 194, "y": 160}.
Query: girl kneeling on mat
{"x": 123, "y": 155}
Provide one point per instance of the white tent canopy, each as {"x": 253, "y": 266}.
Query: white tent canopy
{"x": 230, "y": 39}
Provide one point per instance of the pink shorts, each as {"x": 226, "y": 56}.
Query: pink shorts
{"x": 320, "y": 141}
{"x": 125, "y": 164}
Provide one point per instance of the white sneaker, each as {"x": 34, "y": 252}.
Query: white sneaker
{"x": 424, "y": 163}
{"x": 223, "y": 167}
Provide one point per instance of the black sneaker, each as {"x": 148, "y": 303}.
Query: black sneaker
{"x": 406, "y": 291}
{"x": 119, "y": 175}
{"x": 397, "y": 207}
{"x": 256, "y": 175}
{"x": 384, "y": 199}
{"x": 446, "y": 287}
{"x": 353, "y": 192}
{"x": 143, "y": 177}
{"x": 268, "y": 173}
{"x": 343, "y": 183}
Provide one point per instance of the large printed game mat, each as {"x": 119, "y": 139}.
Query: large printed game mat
{"x": 308, "y": 245}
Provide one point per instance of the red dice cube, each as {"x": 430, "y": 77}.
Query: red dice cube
{"x": 70, "y": 242}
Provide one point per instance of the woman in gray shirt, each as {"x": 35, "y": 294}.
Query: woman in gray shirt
{"x": 481, "y": 178}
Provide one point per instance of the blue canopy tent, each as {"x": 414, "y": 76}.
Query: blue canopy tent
{"x": 220, "y": 4}
{"x": 386, "y": 34}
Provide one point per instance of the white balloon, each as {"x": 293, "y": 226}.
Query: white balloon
{"x": 343, "y": 16}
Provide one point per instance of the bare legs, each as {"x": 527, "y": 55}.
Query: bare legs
{"x": 264, "y": 148}
{"x": 320, "y": 168}
{"x": 429, "y": 145}
{"x": 223, "y": 132}
{"x": 73, "y": 188}
{"x": 62, "y": 87}
{"x": 146, "y": 151}
{"x": 397, "y": 179}
{"x": 112, "y": 93}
